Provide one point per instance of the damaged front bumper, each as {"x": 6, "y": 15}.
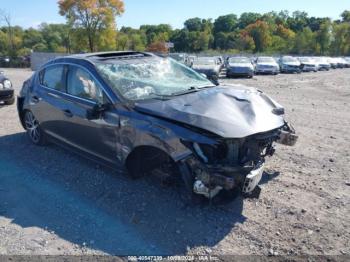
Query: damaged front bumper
{"x": 209, "y": 179}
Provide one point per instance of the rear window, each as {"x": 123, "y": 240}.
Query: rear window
{"x": 51, "y": 77}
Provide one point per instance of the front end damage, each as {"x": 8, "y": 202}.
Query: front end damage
{"x": 226, "y": 132}
{"x": 232, "y": 164}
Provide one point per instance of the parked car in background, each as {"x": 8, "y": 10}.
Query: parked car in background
{"x": 333, "y": 62}
{"x": 322, "y": 63}
{"x": 266, "y": 65}
{"x": 189, "y": 60}
{"x": 308, "y": 64}
{"x": 180, "y": 57}
{"x": 145, "y": 113}
{"x": 6, "y": 90}
{"x": 342, "y": 63}
{"x": 290, "y": 64}
{"x": 347, "y": 59}
{"x": 221, "y": 61}
{"x": 239, "y": 66}
{"x": 210, "y": 66}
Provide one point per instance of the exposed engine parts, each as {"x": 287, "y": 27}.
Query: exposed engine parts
{"x": 233, "y": 162}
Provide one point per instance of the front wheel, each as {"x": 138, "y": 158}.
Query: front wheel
{"x": 34, "y": 131}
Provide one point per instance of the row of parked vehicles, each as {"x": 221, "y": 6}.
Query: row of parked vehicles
{"x": 240, "y": 66}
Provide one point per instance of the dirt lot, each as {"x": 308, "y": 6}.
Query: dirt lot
{"x": 55, "y": 202}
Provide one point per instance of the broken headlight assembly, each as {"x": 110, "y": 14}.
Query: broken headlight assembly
{"x": 214, "y": 153}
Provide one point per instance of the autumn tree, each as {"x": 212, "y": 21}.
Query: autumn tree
{"x": 93, "y": 16}
{"x": 158, "y": 47}
{"x": 260, "y": 32}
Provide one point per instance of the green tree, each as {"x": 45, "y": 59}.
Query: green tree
{"x": 304, "y": 43}
{"x": 193, "y": 24}
{"x": 226, "y": 23}
{"x": 345, "y": 16}
{"x": 248, "y": 18}
{"x": 341, "y": 43}
{"x": 324, "y": 37}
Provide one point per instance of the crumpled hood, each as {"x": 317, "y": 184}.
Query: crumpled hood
{"x": 228, "y": 111}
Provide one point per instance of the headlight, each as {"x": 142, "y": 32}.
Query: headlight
{"x": 208, "y": 153}
{"x": 1, "y": 86}
{"x": 7, "y": 84}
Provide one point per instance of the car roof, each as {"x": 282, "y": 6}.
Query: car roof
{"x": 103, "y": 56}
{"x": 92, "y": 58}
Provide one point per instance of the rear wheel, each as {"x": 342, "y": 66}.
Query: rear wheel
{"x": 34, "y": 131}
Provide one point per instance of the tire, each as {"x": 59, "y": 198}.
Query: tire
{"x": 10, "y": 102}
{"x": 34, "y": 131}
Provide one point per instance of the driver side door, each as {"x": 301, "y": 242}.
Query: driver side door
{"x": 96, "y": 137}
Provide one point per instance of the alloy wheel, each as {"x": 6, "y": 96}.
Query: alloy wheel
{"x": 32, "y": 126}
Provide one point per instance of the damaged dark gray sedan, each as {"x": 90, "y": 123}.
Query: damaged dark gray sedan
{"x": 145, "y": 113}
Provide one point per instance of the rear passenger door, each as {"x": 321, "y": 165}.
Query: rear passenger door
{"x": 96, "y": 137}
{"x": 46, "y": 99}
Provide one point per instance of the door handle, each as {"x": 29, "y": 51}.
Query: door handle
{"x": 35, "y": 99}
{"x": 67, "y": 113}
{"x": 53, "y": 95}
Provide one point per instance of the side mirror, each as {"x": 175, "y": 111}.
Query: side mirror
{"x": 96, "y": 111}
{"x": 1, "y": 72}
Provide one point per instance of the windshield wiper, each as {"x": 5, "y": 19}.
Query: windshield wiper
{"x": 192, "y": 89}
{"x": 206, "y": 86}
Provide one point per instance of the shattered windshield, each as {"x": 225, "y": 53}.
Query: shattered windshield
{"x": 151, "y": 78}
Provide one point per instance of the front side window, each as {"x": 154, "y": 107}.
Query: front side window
{"x": 81, "y": 84}
{"x": 51, "y": 77}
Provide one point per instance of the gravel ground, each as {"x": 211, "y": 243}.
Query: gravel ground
{"x": 53, "y": 202}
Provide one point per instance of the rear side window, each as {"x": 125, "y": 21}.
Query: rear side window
{"x": 51, "y": 77}
{"x": 81, "y": 84}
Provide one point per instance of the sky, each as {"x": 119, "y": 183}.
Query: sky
{"x": 32, "y": 13}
